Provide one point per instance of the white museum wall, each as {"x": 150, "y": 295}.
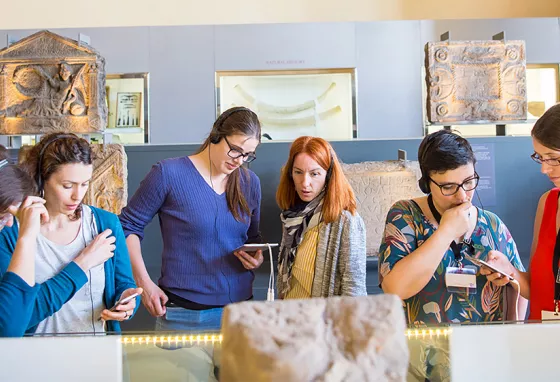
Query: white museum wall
{"x": 388, "y": 56}
{"x": 541, "y": 36}
{"x": 110, "y": 13}
{"x": 311, "y": 46}
{"x": 182, "y": 83}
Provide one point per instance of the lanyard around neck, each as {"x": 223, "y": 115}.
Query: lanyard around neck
{"x": 456, "y": 248}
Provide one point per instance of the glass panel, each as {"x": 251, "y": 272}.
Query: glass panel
{"x": 196, "y": 356}
{"x": 292, "y": 103}
{"x": 542, "y": 89}
{"x": 128, "y": 105}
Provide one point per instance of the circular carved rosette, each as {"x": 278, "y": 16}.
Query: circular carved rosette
{"x": 441, "y": 55}
{"x": 513, "y": 81}
{"x": 441, "y": 84}
{"x": 512, "y": 54}
{"x": 514, "y": 106}
{"x": 442, "y": 109}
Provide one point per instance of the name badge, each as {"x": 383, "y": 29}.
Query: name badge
{"x": 461, "y": 280}
{"x": 548, "y": 315}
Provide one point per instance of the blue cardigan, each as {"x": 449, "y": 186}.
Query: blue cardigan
{"x": 16, "y": 304}
{"x": 57, "y": 291}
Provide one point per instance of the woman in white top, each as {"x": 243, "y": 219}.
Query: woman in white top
{"x": 77, "y": 291}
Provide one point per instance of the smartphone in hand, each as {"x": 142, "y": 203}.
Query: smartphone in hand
{"x": 252, "y": 248}
{"x": 482, "y": 263}
{"x": 123, "y": 301}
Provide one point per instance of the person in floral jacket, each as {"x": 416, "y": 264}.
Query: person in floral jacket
{"x": 428, "y": 241}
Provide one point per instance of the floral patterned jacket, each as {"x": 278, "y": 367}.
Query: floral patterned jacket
{"x": 407, "y": 228}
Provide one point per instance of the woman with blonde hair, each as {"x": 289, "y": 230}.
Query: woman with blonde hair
{"x": 323, "y": 250}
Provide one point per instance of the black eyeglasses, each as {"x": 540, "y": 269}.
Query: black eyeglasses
{"x": 236, "y": 153}
{"x": 550, "y": 161}
{"x": 449, "y": 189}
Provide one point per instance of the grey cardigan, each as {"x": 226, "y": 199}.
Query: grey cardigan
{"x": 340, "y": 265}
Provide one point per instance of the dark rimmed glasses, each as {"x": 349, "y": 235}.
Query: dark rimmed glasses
{"x": 449, "y": 189}
{"x": 235, "y": 153}
{"x": 550, "y": 161}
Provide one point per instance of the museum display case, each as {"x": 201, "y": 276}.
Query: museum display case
{"x": 292, "y": 103}
{"x": 128, "y": 103}
{"x": 467, "y": 352}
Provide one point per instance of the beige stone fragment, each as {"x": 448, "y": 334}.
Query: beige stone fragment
{"x": 108, "y": 188}
{"x": 336, "y": 339}
{"x": 377, "y": 186}
{"x": 476, "y": 81}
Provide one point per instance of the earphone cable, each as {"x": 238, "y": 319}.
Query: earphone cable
{"x": 92, "y": 307}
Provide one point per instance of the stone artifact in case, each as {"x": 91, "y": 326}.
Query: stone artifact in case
{"x": 470, "y": 81}
{"x": 108, "y": 186}
{"x": 318, "y": 339}
{"x": 51, "y": 83}
{"x": 377, "y": 186}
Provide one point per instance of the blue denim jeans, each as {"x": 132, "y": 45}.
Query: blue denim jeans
{"x": 190, "y": 321}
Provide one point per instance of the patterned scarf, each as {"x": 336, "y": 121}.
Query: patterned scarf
{"x": 295, "y": 223}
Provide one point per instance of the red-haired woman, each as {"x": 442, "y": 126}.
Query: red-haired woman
{"x": 323, "y": 250}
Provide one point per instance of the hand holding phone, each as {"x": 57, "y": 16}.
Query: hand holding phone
{"x": 255, "y": 247}
{"x": 251, "y": 255}
{"x": 495, "y": 270}
{"x": 482, "y": 263}
{"x": 123, "y": 301}
{"x": 124, "y": 307}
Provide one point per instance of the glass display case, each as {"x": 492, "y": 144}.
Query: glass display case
{"x": 292, "y": 103}
{"x": 516, "y": 351}
{"x": 128, "y": 103}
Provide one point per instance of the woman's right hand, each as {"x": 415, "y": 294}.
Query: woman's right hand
{"x": 153, "y": 298}
{"x": 456, "y": 221}
{"x": 30, "y": 215}
{"x": 97, "y": 252}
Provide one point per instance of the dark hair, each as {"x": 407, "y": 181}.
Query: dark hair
{"x": 442, "y": 151}
{"x": 15, "y": 186}
{"x": 235, "y": 121}
{"x": 547, "y": 128}
{"x": 53, "y": 151}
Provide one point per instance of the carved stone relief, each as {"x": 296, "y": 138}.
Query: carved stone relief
{"x": 109, "y": 187}
{"x": 476, "y": 81}
{"x": 51, "y": 83}
{"x": 377, "y": 186}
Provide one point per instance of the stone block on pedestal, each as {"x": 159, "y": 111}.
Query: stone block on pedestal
{"x": 321, "y": 339}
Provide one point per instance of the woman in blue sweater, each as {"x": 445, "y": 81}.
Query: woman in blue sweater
{"x": 208, "y": 206}
{"x": 81, "y": 262}
{"x": 17, "y": 286}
